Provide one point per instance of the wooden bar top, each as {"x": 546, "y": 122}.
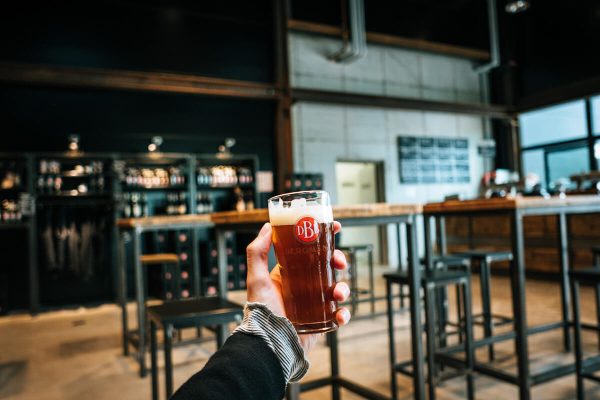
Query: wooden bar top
{"x": 260, "y": 216}
{"x": 165, "y": 220}
{"x": 518, "y": 202}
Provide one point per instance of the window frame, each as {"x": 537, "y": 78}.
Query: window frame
{"x": 588, "y": 141}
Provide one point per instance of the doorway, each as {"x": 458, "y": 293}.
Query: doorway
{"x": 361, "y": 182}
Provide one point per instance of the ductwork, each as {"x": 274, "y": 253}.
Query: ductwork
{"x": 494, "y": 43}
{"x": 356, "y": 48}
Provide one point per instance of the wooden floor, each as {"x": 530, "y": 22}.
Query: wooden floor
{"x": 76, "y": 354}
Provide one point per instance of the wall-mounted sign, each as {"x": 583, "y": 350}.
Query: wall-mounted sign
{"x": 433, "y": 160}
{"x": 487, "y": 148}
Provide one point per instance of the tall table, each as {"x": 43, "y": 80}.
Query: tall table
{"x": 379, "y": 214}
{"x": 516, "y": 209}
{"x": 136, "y": 227}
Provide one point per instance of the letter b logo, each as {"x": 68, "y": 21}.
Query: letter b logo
{"x": 307, "y": 229}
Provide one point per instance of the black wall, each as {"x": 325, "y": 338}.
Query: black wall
{"x": 227, "y": 39}
{"x": 41, "y": 119}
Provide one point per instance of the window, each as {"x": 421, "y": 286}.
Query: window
{"x": 566, "y": 162}
{"x": 534, "y": 163}
{"x": 595, "y": 106}
{"x": 556, "y": 141}
{"x": 553, "y": 124}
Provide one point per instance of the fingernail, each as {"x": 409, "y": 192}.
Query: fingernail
{"x": 345, "y": 315}
{"x": 346, "y": 291}
{"x": 264, "y": 229}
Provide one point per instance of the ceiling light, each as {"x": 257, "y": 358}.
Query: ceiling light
{"x": 517, "y": 6}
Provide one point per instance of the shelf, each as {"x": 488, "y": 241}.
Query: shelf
{"x": 143, "y": 188}
{"x": 69, "y": 195}
{"x": 13, "y": 225}
{"x": 14, "y": 190}
{"x": 241, "y": 186}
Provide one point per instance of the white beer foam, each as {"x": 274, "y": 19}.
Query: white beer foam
{"x": 279, "y": 215}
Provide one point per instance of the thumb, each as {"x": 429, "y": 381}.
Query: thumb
{"x": 257, "y": 253}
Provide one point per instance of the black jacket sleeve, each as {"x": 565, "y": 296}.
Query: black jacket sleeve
{"x": 244, "y": 368}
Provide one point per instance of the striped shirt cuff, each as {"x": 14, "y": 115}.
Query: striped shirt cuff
{"x": 280, "y": 335}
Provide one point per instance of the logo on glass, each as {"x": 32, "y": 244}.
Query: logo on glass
{"x": 307, "y": 229}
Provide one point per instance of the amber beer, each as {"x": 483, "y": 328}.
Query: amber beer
{"x": 303, "y": 237}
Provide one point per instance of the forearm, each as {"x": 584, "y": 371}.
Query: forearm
{"x": 256, "y": 362}
{"x": 244, "y": 368}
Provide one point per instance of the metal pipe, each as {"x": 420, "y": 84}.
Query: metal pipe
{"x": 494, "y": 42}
{"x": 357, "y": 47}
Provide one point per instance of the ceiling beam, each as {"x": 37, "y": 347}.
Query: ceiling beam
{"x": 560, "y": 94}
{"x": 93, "y": 78}
{"x": 342, "y": 98}
{"x": 392, "y": 40}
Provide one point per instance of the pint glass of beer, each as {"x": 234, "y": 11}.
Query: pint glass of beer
{"x": 303, "y": 237}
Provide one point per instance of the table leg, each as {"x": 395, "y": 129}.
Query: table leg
{"x": 430, "y": 295}
{"x": 292, "y": 391}
{"x": 519, "y": 306}
{"x": 123, "y": 292}
{"x": 563, "y": 251}
{"x": 168, "y": 360}
{"x": 196, "y": 292}
{"x": 371, "y": 281}
{"x": 400, "y": 263}
{"x": 153, "y": 363}
{"x": 578, "y": 347}
{"x": 597, "y": 292}
{"x": 391, "y": 337}
{"x": 414, "y": 282}
{"x": 141, "y": 306}
{"x": 335, "y": 368}
{"x": 222, "y": 333}
{"x": 222, "y": 262}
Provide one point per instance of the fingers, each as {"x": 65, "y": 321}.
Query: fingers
{"x": 257, "y": 253}
{"x": 341, "y": 291}
{"x": 339, "y": 260}
{"x": 342, "y": 316}
{"x": 337, "y": 227}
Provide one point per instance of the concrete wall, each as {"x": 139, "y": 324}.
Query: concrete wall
{"x": 326, "y": 133}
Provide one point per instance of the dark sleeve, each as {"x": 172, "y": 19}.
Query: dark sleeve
{"x": 244, "y": 368}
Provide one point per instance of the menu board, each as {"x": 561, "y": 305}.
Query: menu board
{"x": 433, "y": 160}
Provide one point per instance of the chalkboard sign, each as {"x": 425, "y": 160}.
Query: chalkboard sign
{"x": 433, "y": 160}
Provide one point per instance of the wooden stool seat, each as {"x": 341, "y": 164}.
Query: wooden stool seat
{"x": 159, "y": 258}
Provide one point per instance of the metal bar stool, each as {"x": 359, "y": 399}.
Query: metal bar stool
{"x": 180, "y": 314}
{"x": 431, "y": 282}
{"x": 146, "y": 260}
{"x": 584, "y": 368}
{"x": 355, "y": 291}
{"x": 487, "y": 319}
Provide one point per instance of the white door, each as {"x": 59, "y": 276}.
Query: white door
{"x": 357, "y": 184}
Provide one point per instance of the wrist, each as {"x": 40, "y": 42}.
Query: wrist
{"x": 280, "y": 335}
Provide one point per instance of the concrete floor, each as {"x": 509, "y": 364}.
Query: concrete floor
{"x": 76, "y": 354}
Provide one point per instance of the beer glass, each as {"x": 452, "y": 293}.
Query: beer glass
{"x": 303, "y": 237}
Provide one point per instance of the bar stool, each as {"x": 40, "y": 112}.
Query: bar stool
{"x": 355, "y": 291}
{"x": 166, "y": 260}
{"x": 484, "y": 259}
{"x": 431, "y": 282}
{"x": 584, "y": 368}
{"x": 180, "y": 314}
